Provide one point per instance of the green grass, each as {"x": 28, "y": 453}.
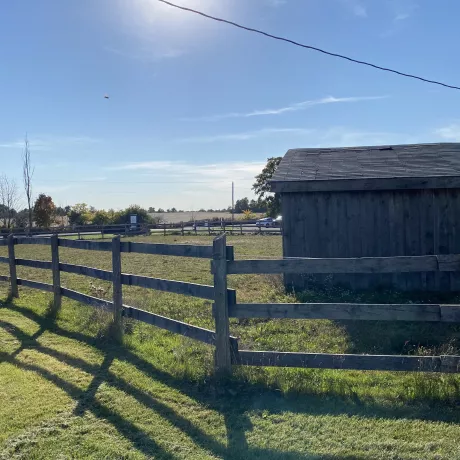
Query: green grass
{"x": 67, "y": 392}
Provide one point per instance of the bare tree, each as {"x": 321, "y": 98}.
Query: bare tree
{"x": 27, "y": 173}
{"x": 9, "y": 200}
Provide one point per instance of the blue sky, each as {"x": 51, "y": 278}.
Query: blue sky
{"x": 195, "y": 104}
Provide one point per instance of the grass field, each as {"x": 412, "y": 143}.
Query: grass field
{"x": 67, "y": 392}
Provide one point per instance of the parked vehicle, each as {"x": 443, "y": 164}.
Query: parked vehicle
{"x": 266, "y": 222}
{"x": 279, "y": 221}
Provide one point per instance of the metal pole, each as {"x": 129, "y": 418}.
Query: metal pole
{"x": 233, "y": 200}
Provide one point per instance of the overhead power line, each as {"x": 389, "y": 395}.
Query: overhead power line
{"x": 313, "y": 48}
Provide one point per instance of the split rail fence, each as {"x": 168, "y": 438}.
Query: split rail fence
{"x": 225, "y": 305}
{"x": 178, "y": 228}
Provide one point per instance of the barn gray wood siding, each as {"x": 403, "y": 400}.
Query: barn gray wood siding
{"x": 373, "y": 223}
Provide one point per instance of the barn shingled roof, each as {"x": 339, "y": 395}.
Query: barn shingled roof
{"x": 365, "y": 164}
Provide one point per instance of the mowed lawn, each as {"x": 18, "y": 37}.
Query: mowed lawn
{"x": 67, "y": 392}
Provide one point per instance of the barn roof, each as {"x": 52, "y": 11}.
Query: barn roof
{"x": 387, "y": 167}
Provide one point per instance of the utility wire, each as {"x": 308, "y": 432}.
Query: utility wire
{"x": 292, "y": 42}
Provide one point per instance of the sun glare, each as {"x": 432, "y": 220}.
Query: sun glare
{"x": 154, "y": 13}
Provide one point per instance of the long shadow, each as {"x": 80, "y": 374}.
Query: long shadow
{"x": 233, "y": 408}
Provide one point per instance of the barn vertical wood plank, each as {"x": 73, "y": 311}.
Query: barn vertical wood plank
{"x": 57, "y": 300}
{"x": 374, "y": 234}
{"x": 117, "y": 289}
{"x": 343, "y": 232}
{"x": 12, "y": 263}
{"x": 332, "y": 213}
{"x": 455, "y": 237}
{"x": 436, "y": 232}
{"x": 400, "y": 280}
{"x": 223, "y": 363}
{"x": 322, "y": 231}
{"x": 302, "y": 208}
{"x": 421, "y": 234}
{"x": 428, "y": 237}
{"x": 365, "y": 224}
{"x": 444, "y": 230}
{"x": 354, "y": 239}
{"x": 383, "y": 227}
{"x": 411, "y": 232}
{"x": 286, "y": 237}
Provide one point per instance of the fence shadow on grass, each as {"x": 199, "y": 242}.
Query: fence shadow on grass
{"x": 234, "y": 409}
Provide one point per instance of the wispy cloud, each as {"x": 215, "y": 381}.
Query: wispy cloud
{"x": 295, "y": 107}
{"x": 146, "y": 55}
{"x": 53, "y": 188}
{"x": 341, "y": 136}
{"x": 213, "y": 175}
{"x": 49, "y": 142}
{"x": 337, "y": 136}
{"x": 401, "y": 17}
{"x": 401, "y": 11}
{"x": 218, "y": 175}
{"x": 450, "y": 132}
{"x": 356, "y": 7}
{"x": 260, "y": 133}
{"x": 276, "y": 3}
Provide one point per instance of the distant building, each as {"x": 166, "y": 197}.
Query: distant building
{"x": 372, "y": 201}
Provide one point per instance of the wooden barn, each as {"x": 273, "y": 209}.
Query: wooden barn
{"x": 372, "y": 201}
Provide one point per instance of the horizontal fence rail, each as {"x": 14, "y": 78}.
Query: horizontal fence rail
{"x": 348, "y": 311}
{"x": 176, "y": 287}
{"x": 399, "y": 264}
{"x": 34, "y": 240}
{"x": 35, "y": 285}
{"x": 172, "y": 325}
{"x": 84, "y": 298}
{"x": 445, "y": 363}
{"x": 34, "y": 263}
{"x": 89, "y": 245}
{"x": 182, "y": 250}
{"x": 87, "y": 271}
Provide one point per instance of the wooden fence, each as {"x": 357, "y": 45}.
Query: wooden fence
{"x": 225, "y": 305}
{"x": 219, "y": 293}
{"x": 178, "y": 228}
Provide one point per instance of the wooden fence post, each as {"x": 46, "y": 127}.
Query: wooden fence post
{"x": 164, "y": 228}
{"x": 56, "y": 273}
{"x": 12, "y": 261}
{"x": 241, "y": 228}
{"x": 116, "y": 288}
{"x": 223, "y": 363}
{"x": 182, "y": 227}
